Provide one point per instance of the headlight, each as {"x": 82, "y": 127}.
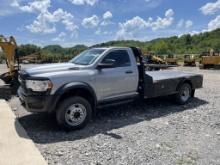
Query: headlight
{"x": 39, "y": 85}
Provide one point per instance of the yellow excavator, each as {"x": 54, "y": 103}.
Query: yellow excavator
{"x": 151, "y": 58}
{"x": 9, "y": 48}
{"x": 154, "y": 62}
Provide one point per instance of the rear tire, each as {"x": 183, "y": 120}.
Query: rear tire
{"x": 184, "y": 94}
{"x": 74, "y": 113}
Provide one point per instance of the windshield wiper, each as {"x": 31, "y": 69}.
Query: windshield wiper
{"x": 78, "y": 63}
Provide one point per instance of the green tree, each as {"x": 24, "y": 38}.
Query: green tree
{"x": 28, "y": 49}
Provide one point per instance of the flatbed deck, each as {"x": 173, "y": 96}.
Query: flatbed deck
{"x": 162, "y": 83}
{"x": 167, "y": 74}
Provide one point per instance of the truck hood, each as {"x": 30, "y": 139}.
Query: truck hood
{"x": 59, "y": 67}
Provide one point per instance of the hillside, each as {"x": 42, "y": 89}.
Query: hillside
{"x": 175, "y": 45}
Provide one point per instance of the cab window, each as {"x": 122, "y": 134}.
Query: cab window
{"x": 120, "y": 58}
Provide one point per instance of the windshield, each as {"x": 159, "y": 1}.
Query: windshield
{"x": 87, "y": 57}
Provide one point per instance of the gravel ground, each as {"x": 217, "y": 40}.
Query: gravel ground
{"x": 153, "y": 132}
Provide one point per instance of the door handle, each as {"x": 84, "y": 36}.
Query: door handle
{"x": 129, "y": 72}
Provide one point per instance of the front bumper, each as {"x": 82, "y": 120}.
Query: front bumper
{"x": 37, "y": 103}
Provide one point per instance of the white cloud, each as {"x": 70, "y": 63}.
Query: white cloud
{"x": 45, "y": 21}
{"x": 60, "y": 37}
{"x": 210, "y": 8}
{"x": 169, "y": 13}
{"x": 100, "y": 32}
{"x": 107, "y": 16}
{"x": 91, "y": 22}
{"x": 162, "y": 23}
{"x": 214, "y": 24}
{"x": 41, "y": 25}
{"x": 35, "y": 6}
{"x": 106, "y": 20}
{"x": 131, "y": 28}
{"x": 84, "y": 2}
{"x": 194, "y": 32}
{"x": 66, "y": 18}
{"x": 186, "y": 24}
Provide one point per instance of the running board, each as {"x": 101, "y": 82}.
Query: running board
{"x": 114, "y": 103}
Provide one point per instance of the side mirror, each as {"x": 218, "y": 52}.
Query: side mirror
{"x": 109, "y": 63}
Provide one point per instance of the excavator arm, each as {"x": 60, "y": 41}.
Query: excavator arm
{"x": 158, "y": 59}
{"x": 9, "y": 47}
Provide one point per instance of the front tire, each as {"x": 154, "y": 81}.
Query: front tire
{"x": 74, "y": 113}
{"x": 184, "y": 94}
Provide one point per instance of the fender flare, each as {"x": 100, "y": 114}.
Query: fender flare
{"x": 184, "y": 80}
{"x": 74, "y": 85}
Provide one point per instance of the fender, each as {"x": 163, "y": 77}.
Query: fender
{"x": 75, "y": 85}
{"x": 182, "y": 82}
{"x": 71, "y": 86}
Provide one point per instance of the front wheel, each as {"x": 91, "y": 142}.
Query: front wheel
{"x": 74, "y": 113}
{"x": 184, "y": 94}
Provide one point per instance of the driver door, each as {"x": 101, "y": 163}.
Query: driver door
{"x": 119, "y": 81}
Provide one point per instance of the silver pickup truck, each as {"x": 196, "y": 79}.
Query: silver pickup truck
{"x": 99, "y": 77}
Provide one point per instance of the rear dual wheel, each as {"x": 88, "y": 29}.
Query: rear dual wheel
{"x": 184, "y": 94}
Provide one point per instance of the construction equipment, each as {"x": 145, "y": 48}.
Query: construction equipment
{"x": 151, "y": 58}
{"x": 171, "y": 60}
{"x": 9, "y": 48}
{"x": 189, "y": 60}
{"x": 32, "y": 58}
{"x": 210, "y": 59}
{"x": 154, "y": 62}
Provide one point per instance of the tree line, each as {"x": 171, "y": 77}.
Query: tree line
{"x": 50, "y": 53}
{"x": 185, "y": 44}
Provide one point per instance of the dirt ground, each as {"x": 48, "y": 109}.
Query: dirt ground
{"x": 156, "y": 131}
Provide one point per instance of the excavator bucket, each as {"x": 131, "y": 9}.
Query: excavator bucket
{"x": 6, "y": 77}
{"x": 11, "y": 86}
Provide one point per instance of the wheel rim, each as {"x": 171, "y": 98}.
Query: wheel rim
{"x": 185, "y": 94}
{"x": 75, "y": 114}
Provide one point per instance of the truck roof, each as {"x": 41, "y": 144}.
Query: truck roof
{"x": 112, "y": 47}
{"x": 136, "y": 50}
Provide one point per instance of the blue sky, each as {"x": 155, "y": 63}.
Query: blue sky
{"x": 71, "y": 22}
